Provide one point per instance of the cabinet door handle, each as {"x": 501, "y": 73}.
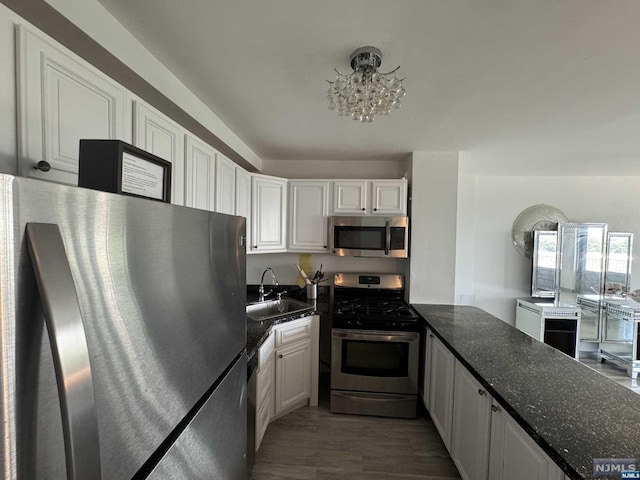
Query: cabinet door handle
{"x": 375, "y": 209}
{"x": 495, "y": 408}
{"x": 280, "y": 356}
{"x": 255, "y": 247}
{"x": 431, "y": 335}
{"x": 481, "y": 391}
{"x": 363, "y": 209}
{"x": 42, "y": 165}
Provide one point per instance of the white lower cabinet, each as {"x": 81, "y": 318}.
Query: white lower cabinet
{"x": 288, "y": 374}
{"x": 471, "y": 426}
{"x": 441, "y": 371}
{"x": 293, "y": 375}
{"x": 264, "y": 388}
{"x": 513, "y": 454}
{"x": 424, "y": 381}
{"x": 485, "y": 442}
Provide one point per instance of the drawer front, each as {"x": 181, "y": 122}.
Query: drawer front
{"x": 265, "y": 350}
{"x": 293, "y": 332}
{"x": 264, "y": 383}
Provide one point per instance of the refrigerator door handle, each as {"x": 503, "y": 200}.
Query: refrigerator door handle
{"x": 69, "y": 348}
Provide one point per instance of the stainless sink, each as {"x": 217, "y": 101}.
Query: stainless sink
{"x": 276, "y": 308}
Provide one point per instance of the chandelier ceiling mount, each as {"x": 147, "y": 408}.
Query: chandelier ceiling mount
{"x": 366, "y": 92}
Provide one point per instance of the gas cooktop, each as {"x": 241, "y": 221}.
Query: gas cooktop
{"x": 372, "y": 302}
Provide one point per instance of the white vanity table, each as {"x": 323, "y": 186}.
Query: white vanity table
{"x": 557, "y": 326}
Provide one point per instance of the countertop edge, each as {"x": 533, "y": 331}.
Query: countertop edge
{"x": 527, "y": 378}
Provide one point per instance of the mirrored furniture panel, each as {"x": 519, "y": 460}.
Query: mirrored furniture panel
{"x": 543, "y": 270}
{"x": 619, "y": 343}
{"x": 591, "y": 268}
{"x": 617, "y": 274}
{"x": 580, "y": 274}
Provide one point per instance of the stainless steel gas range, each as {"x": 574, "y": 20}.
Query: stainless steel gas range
{"x": 375, "y": 343}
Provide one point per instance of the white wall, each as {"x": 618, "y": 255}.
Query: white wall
{"x": 336, "y": 168}
{"x": 488, "y": 267}
{"x": 433, "y": 227}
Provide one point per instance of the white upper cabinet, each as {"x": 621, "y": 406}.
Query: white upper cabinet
{"x": 350, "y": 197}
{"x": 269, "y": 206}
{"x": 200, "y": 174}
{"x": 61, "y": 99}
{"x": 157, "y": 134}
{"x": 308, "y": 210}
{"x": 243, "y": 199}
{"x": 389, "y": 197}
{"x": 225, "y": 185}
{"x": 370, "y": 197}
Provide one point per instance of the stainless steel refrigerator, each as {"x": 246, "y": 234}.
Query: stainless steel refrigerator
{"x": 122, "y": 325}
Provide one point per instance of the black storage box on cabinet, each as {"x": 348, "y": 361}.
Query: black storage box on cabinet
{"x": 117, "y": 167}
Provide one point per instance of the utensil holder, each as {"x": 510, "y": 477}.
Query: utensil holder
{"x": 312, "y": 291}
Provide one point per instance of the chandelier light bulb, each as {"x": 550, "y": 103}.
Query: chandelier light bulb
{"x": 366, "y": 92}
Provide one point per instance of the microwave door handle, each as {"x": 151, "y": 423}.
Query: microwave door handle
{"x": 69, "y": 348}
{"x": 387, "y": 243}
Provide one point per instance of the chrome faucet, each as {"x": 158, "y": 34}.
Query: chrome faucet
{"x": 274, "y": 281}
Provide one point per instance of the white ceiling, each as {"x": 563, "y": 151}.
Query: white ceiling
{"x": 539, "y": 77}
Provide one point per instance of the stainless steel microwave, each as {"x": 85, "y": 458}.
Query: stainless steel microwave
{"x": 370, "y": 236}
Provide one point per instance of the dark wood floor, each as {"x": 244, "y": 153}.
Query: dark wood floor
{"x": 312, "y": 443}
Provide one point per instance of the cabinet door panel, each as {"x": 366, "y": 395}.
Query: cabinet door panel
{"x": 225, "y": 185}
{"x": 293, "y": 375}
{"x": 243, "y": 193}
{"x": 471, "y": 424}
{"x": 157, "y": 134}
{"x": 268, "y": 195}
{"x": 426, "y": 352}
{"x": 441, "y": 390}
{"x": 61, "y": 99}
{"x": 243, "y": 201}
{"x": 350, "y": 198}
{"x": 389, "y": 197}
{"x": 514, "y": 454}
{"x": 308, "y": 216}
{"x": 263, "y": 417}
{"x": 200, "y": 174}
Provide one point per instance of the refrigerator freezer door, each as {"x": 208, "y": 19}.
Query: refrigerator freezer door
{"x": 214, "y": 443}
{"x": 161, "y": 290}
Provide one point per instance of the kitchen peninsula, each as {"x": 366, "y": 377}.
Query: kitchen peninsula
{"x": 571, "y": 412}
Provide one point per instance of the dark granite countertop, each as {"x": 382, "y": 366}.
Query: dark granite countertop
{"x": 573, "y": 412}
{"x": 257, "y": 332}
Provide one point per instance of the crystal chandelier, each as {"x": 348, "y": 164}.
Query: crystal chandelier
{"x": 366, "y": 92}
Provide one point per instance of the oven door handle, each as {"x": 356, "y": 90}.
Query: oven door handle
{"x": 387, "y": 240}
{"x": 375, "y": 335}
